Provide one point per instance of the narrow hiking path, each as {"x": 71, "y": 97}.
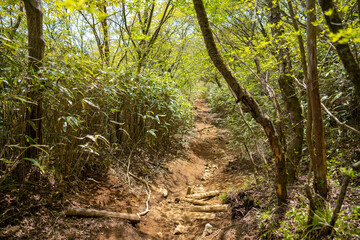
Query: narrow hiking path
{"x": 204, "y": 168}
{"x": 204, "y": 164}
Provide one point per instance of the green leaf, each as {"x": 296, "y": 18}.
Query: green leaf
{"x": 152, "y": 132}
{"x": 4, "y": 160}
{"x": 91, "y": 103}
{"x": 329, "y": 12}
{"x": 36, "y": 163}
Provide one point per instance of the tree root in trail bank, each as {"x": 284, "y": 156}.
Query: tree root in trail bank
{"x": 82, "y": 212}
{"x": 147, "y": 201}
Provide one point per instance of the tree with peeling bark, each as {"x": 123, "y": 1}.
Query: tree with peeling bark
{"x": 319, "y": 164}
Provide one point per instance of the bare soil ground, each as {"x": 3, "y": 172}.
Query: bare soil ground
{"x": 205, "y": 164}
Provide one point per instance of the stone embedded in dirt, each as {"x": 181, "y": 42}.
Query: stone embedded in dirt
{"x": 165, "y": 192}
{"x": 207, "y": 230}
{"x": 160, "y": 235}
{"x": 180, "y": 229}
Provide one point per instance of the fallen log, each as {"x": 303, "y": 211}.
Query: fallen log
{"x": 209, "y": 208}
{"x": 193, "y": 201}
{"x": 199, "y": 216}
{"x": 203, "y": 195}
{"x": 82, "y": 212}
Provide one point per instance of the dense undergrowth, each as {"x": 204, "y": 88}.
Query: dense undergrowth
{"x": 90, "y": 113}
{"x": 342, "y": 151}
{"x": 223, "y": 103}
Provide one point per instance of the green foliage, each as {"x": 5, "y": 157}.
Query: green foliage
{"x": 89, "y": 111}
{"x": 223, "y": 197}
{"x": 267, "y": 224}
{"x": 295, "y": 223}
{"x": 322, "y": 217}
{"x": 223, "y": 103}
{"x": 344, "y": 227}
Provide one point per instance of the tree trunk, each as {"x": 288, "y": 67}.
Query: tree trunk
{"x": 106, "y": 38}
{"x": 288, "y": 91}
{"x": 15, "y": 27}
{"x": 244, "y": 96}
{"x": 342, "y": 195}
{"x": 309, "y": 121}
{"x": 34, "y": 17}
{"x": 319, "y": 166}
{"x": 343, "y": 49}
{"x": 36, "y": 46}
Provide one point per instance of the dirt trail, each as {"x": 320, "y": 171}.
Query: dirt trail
{"x": 205, "y": 168}
{"x": 206, "y": 164}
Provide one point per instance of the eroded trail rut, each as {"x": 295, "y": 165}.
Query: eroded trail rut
{"x": 205, "y": 167}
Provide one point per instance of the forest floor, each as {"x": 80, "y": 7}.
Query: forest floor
{"x": 204, "y": 163}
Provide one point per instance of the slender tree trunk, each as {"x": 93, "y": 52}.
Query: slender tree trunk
{"x": 97, "y": 36}
{"x": 106, "y": 38}
{"x": 144, "y": 47}
{"x": 300, "y": 39}
{"x": 319, "y": 166}
{"x": 36, "y": 46}
{"x": 288, "y": 91}
{"x": 244, "y": 96}
{"x": 17, "y": 24}
{"x": 334, "y": 22}
{"x": 309, "y": 121}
